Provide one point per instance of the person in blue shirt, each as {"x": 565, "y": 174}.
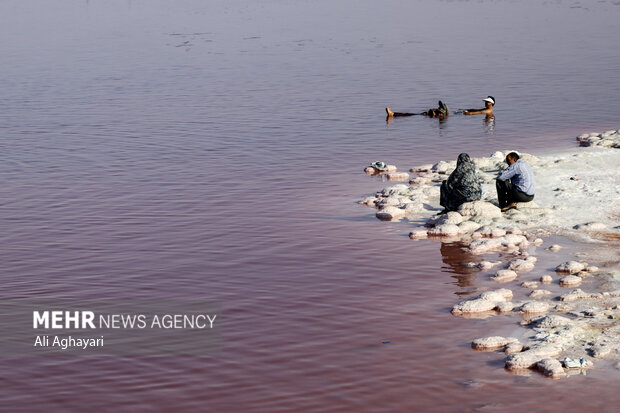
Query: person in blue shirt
{"x": 515, "y": 184}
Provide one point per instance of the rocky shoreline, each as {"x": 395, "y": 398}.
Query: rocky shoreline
{"x": 577, "y": 197}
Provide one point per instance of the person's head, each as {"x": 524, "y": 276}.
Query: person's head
{"x": 489, "y": 102}
{"x": 464, "y": 160}
{"x": 512, "y": 157}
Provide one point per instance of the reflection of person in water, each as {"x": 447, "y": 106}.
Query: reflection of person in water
{"x": 456, "y": 259}
{"x": 440, "y": 112}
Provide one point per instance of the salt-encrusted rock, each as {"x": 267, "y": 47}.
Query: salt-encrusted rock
{"x": 423, "y": 168}
{"x": 514, "y": 230}
{"x": 504, "y": 276}
{"x": 418, "y": 234}
{"x": 419, "y": 180}
{"x": 443, "y": 167}
{"x": 530, "y": 284}
{"x": 468, "y": 226}
{"x": 537, "y": 241}
{"x": 480, "y": 208}
{"x": 369, "y": 201}
{"x": 397, "y": 176}
{"x": 451, "y": 217}
{"x": 555, "y": 248}
{"x": 533, "y": 307}
{"x": 551, "y": 367}
{"x": 551, "y": 321}
{"x": 546, "y": 279}
{"x": 394, "y": 189}
{"x": 539, "y": 294}
{"x": 505, "y": 307}
{"x": 390, "y": 213}
{"x": 509, "y": 242}
{"x": 601, "y": 350}
{"x": 486, "y": 302}
{"x": 591, "y": 268}
{"x": 445, "y": 230}
{"x": 571, "y": 267}
{"x": 591, "y": 226}
{"x": 570, "y": 281}
{"x": 488, "y": 231}
{"x": 576, "y": 294}
{"x": 487, "y": 265}
{"x": 528, "y": 358}
{"x": 525, "y": 265}
{"x": 513, "y": 348}
{"x": 495, "y": 342}
{"x": 514, "y": 239}
{"x": 503, "y": 294}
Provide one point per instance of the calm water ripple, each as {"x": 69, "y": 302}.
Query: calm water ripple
{"x": 158, "y": 149}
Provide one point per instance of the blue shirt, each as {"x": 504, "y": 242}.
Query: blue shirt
{"x": 521, "y": 177}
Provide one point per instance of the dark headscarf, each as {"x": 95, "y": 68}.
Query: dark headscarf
{"x": 464, "y": 179}
{"x": 463, "y": 185}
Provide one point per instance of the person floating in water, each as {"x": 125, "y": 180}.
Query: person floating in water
{"x": 443, "y": 111}
{"x": 440, "y": 112}
{"x": 489, "y": 102}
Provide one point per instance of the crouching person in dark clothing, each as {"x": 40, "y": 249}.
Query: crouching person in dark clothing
{"x": 515, "y": 184}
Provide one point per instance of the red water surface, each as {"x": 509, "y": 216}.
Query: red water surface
{"x": 216, "y": 152}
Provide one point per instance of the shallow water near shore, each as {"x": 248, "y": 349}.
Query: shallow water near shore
{"x": 213, "y": 150}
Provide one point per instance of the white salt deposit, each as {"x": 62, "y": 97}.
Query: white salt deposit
{"x": 577, "y": 194}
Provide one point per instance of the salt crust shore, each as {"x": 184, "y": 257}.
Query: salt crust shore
{"x": 577, "y": 196}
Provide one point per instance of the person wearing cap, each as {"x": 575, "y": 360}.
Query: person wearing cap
{"x": 515, "y": 184}
{"x": 489, "y": 102}
{"x": 440, "y": 112}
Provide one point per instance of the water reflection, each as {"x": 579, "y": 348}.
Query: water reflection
{"x": 489, "y": 123}
{"x": 456, "y": 257}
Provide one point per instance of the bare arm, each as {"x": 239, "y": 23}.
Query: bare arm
{"x": 477, "y": 111}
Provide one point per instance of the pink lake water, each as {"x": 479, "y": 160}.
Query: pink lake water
{"x": 214, "y": 150}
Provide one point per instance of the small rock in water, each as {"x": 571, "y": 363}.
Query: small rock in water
{"x": 445, "y": 230}
{"x": 504, "y": 276}
{"x": 525, "y": 265}
{"x": 487, "y": 265}
{"x": 505, "y": 307}
{"x": 532, "y": 307}
{"x": 570, "y": 281}
{"x": 546, "y": 279}
{"x": 551, "y": 367}
{"x": 571, "y": 267}
{"x": 513, "y": 348}
{"x": 528, "y": 358}
{"x": 530, "y": 284}
{"x": 398, "y": 176}
{"x": 539, "y": 293}
{"x": 555, "y": 248}
{"x": 418, "y": 234}
{"x": 487, "y": 301}
{"x": 488, "y": 343}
